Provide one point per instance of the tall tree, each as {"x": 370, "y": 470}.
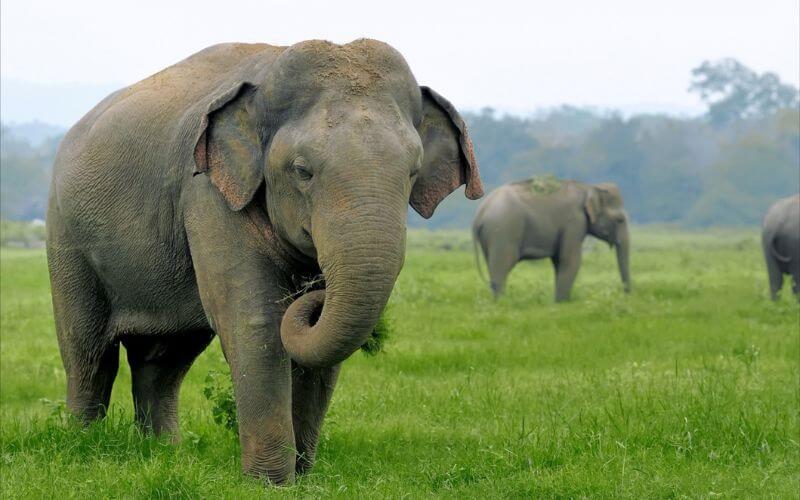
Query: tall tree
{"x": 735, "y": 92}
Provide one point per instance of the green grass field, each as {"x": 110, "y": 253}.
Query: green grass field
{"x": 688, "y": 387}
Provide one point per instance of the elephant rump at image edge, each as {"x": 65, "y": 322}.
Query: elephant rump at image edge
{"x": 780, "y": 241}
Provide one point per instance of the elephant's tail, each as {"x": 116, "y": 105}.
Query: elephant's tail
{"x": 783, "y": 258}
{"x": 476, "y": 249}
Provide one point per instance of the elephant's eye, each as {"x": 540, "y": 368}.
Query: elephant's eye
{"x": 301, "y": 169}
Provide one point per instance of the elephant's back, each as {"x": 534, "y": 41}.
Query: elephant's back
{"x": 156, "y": 111}
{"x": 784, "y": 212}
{"x": 789, "y": 214}
{"x": 781, "y": 228}
{"x": 162, "y": 98}
{"x": 191, "y": 82}
{"x": 500, "y": 204}
{"x": 119, "y": 171}
{"x": 137, "y": 142}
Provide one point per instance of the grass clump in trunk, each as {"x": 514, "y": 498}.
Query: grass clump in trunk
{"x": 380, "y": 333}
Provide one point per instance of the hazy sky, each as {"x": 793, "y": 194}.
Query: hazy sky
{"x": 512, "y": 55}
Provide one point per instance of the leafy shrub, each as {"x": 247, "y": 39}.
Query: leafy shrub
{"x": 219, "y": 391}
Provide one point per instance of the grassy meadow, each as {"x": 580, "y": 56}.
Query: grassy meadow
{"x": 687, "y": 387}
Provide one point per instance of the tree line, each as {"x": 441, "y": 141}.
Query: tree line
{"x": 722, "y": 168}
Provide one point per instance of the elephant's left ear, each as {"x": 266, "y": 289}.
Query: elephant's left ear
{"x": 229, "y": 148}
{"x": 448, "y": 159}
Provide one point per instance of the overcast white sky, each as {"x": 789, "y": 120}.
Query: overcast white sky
{"x": 513, "y": 55}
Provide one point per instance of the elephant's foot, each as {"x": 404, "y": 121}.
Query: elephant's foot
{"x": 271, "y": 460}
{"x": 89, "y": 385}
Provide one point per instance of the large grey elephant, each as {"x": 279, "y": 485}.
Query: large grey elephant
{"x": 531, "y": 219}
{"x": 205, "y": 198}
{"x": 780, "y": 240}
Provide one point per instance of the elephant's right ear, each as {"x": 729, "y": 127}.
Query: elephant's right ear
{"x": 230, "y": 147}
{"x": 448, "y": 160}
{"x": 592, "y": 204}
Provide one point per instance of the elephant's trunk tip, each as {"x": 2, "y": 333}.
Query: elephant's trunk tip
{"x": 301, "y": 316}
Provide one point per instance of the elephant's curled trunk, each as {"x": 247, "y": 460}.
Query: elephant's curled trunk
{"x": 324, "y": 327}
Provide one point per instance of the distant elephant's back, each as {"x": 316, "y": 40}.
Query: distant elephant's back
{"x": 782, "y": 212}
{"x": 499, "y": 204}
{"x": 790, "y": 220}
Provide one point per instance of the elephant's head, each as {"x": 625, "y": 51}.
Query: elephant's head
{"x": 342, "y": 139}
{"x": 609, "y": 222}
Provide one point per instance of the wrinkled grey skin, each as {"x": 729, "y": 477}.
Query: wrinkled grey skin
{"x": 515, "y": 223}
{"x": 780, "y": 240}
{"x": 203, "y": 199}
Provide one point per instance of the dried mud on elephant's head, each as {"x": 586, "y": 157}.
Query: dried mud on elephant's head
{"x": 360, "y": 67}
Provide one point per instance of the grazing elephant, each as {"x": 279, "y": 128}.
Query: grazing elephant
{"x": 780, "y": 239}
{"x": 203, "y": 199}
{"x": 525, "y": 221}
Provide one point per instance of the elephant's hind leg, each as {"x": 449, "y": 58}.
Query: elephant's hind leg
{"x": 158, "y": 365}
{"x": 566, "y": 264}
{"x": 90, "y": 356}
{"x": 311, "y": 393}
{"x": 501, "y": 260}
{"x": 775, "y": 275}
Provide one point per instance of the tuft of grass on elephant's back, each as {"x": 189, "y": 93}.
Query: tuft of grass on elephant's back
{"x": 544, "y": 184}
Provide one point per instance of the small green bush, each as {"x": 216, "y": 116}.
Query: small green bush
{"x": 218, "y": 390}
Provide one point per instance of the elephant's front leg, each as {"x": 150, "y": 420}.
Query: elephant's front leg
{"x": 261, "y": 373}
{"x": 248, "y": 328}
{"x": 311, "y": 394}
{"x": 240, "y": 292}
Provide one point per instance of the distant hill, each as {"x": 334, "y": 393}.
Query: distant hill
{"x": 58, "y": 104}
{"x": 35, "y": 133}
{"x": 26, "y": 168}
